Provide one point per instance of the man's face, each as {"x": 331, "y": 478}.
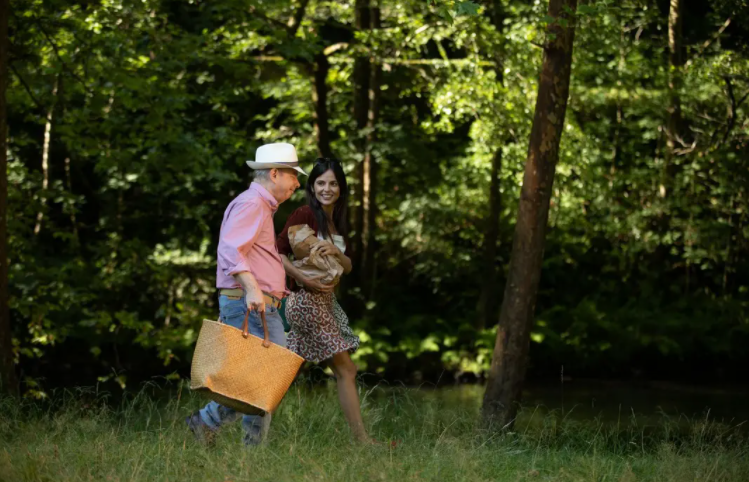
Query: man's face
{"x": 286, "y": 183}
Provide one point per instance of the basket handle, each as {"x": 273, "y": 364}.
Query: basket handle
{"x": 246, "y": 328}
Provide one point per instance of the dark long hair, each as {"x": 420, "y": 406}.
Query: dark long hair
{"x": 340, "y": 211}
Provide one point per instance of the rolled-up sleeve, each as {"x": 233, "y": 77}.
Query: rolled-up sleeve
{"x": 239, "y": 233}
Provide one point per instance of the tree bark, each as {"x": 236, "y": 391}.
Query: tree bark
{"x": 370, "y": 171}
{"x": 361, "y": 76}
{"x": 488, "y": 299}
{"x": 45, "y": 156}
{"x": 616, "y": 142}
{"x": 508, "y": 365}
{"x": 675, "y": 61}
{"x": 8, "y": 378}
{"x": 320, "y": 98}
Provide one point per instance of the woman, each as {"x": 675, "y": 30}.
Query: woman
{"x": 319, "y": 328}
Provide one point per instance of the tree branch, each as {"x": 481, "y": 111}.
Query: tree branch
{"x": 708, "y": 42}
{"x": 536, "y": 44}
{"x": 334, "y": 48}
{"x": 741, "y": 100}
{"x": 59, "y": 57}
{"x": 26, "y": 86}
{"x": 296, "y": 20}
{"x": 732, "y": 118}
{"x": 384, "y": 60}
{"x": 254, "y": 10}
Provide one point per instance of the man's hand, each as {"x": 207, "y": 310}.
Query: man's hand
{"x": 255, "y": 300}
{"x": 254, "y": 297}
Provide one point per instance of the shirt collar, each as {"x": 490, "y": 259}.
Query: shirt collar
{"x": 264, "y": 194}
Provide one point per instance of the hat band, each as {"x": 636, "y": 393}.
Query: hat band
{"x": 289, "y": 164}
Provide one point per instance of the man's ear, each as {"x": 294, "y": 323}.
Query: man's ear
{"x": 273, "y": 174}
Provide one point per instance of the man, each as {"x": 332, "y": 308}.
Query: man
{"x": 250, "y": 274}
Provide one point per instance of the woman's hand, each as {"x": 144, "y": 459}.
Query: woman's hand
{"x": 312, "y": 284}
{"x": 315, "y": 286}
{"x": 326, "y": 248}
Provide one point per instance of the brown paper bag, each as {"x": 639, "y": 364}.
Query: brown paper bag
{"x": 302, "y": 238}
{"x": 325, "y": 269}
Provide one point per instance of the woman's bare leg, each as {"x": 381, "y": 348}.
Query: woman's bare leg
{"x": 345, "y": 374}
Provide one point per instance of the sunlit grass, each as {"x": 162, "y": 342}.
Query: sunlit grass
{"x": 79, "y": 436}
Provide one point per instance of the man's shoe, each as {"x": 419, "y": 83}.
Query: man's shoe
{"x": 251, "y": 440}
{"x": 204, "y": 434}
{"x": 257, "y": 434}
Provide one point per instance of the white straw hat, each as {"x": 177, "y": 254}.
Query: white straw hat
{"x": 279, "y": 155}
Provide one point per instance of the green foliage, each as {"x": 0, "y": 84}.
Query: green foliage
{"x": 449, "y": 10}
{"x": 159, "y": 103}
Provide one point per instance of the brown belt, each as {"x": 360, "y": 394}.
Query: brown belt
{"x": 238, "y": 293}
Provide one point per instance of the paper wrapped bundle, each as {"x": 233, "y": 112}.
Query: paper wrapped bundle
{"x": 325, "y": 269}
{"x": 302, "y": 238}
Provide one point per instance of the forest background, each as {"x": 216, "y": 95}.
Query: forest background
{"x": 129, "y": 123}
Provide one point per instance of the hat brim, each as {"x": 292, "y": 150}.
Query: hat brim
{"x": 274, "y": 165}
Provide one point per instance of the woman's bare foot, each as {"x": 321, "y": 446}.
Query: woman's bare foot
{"x": 366, "y": 440}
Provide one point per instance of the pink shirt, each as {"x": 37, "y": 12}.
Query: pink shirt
{"x": 248, "y": 242}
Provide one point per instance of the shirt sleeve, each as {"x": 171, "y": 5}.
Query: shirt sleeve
{"x": 238, "y": 236}
{"x": 282, "y": 241}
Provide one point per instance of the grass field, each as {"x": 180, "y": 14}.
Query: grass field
{"x": 82, "y": 436}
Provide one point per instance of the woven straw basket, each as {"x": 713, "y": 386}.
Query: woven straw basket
{"x": 241, "y": 371}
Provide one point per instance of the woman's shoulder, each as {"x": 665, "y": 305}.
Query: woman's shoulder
{"x": 304, "y": 211}
{"x": 303, "y": 215}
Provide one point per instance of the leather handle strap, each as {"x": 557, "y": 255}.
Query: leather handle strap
{"x": 246, "y": 328}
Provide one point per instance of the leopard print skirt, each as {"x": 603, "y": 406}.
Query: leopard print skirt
{"x": 319, "y": 326}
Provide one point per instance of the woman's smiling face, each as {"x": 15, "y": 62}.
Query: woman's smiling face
{"x": 327, "y": 190}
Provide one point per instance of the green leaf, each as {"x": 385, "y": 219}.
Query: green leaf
{"x": 467, "y": 8}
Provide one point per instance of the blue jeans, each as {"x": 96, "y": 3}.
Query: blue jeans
{"x": 232, "y": 312}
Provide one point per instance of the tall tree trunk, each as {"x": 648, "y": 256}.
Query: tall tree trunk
{"x": 508, "y": 365}
{"x": 673, "y": 132}
{"x": 45, "y": 156}
{"x": 8, "y": 377}
{"x": 370, "y": 171}
{"x": 488, "y": 299}
{"x": 361, "y": 116}
{"x": 616, "y": 142}
{"x": 320, "y": 98}
{"x": 675, "y": 61}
